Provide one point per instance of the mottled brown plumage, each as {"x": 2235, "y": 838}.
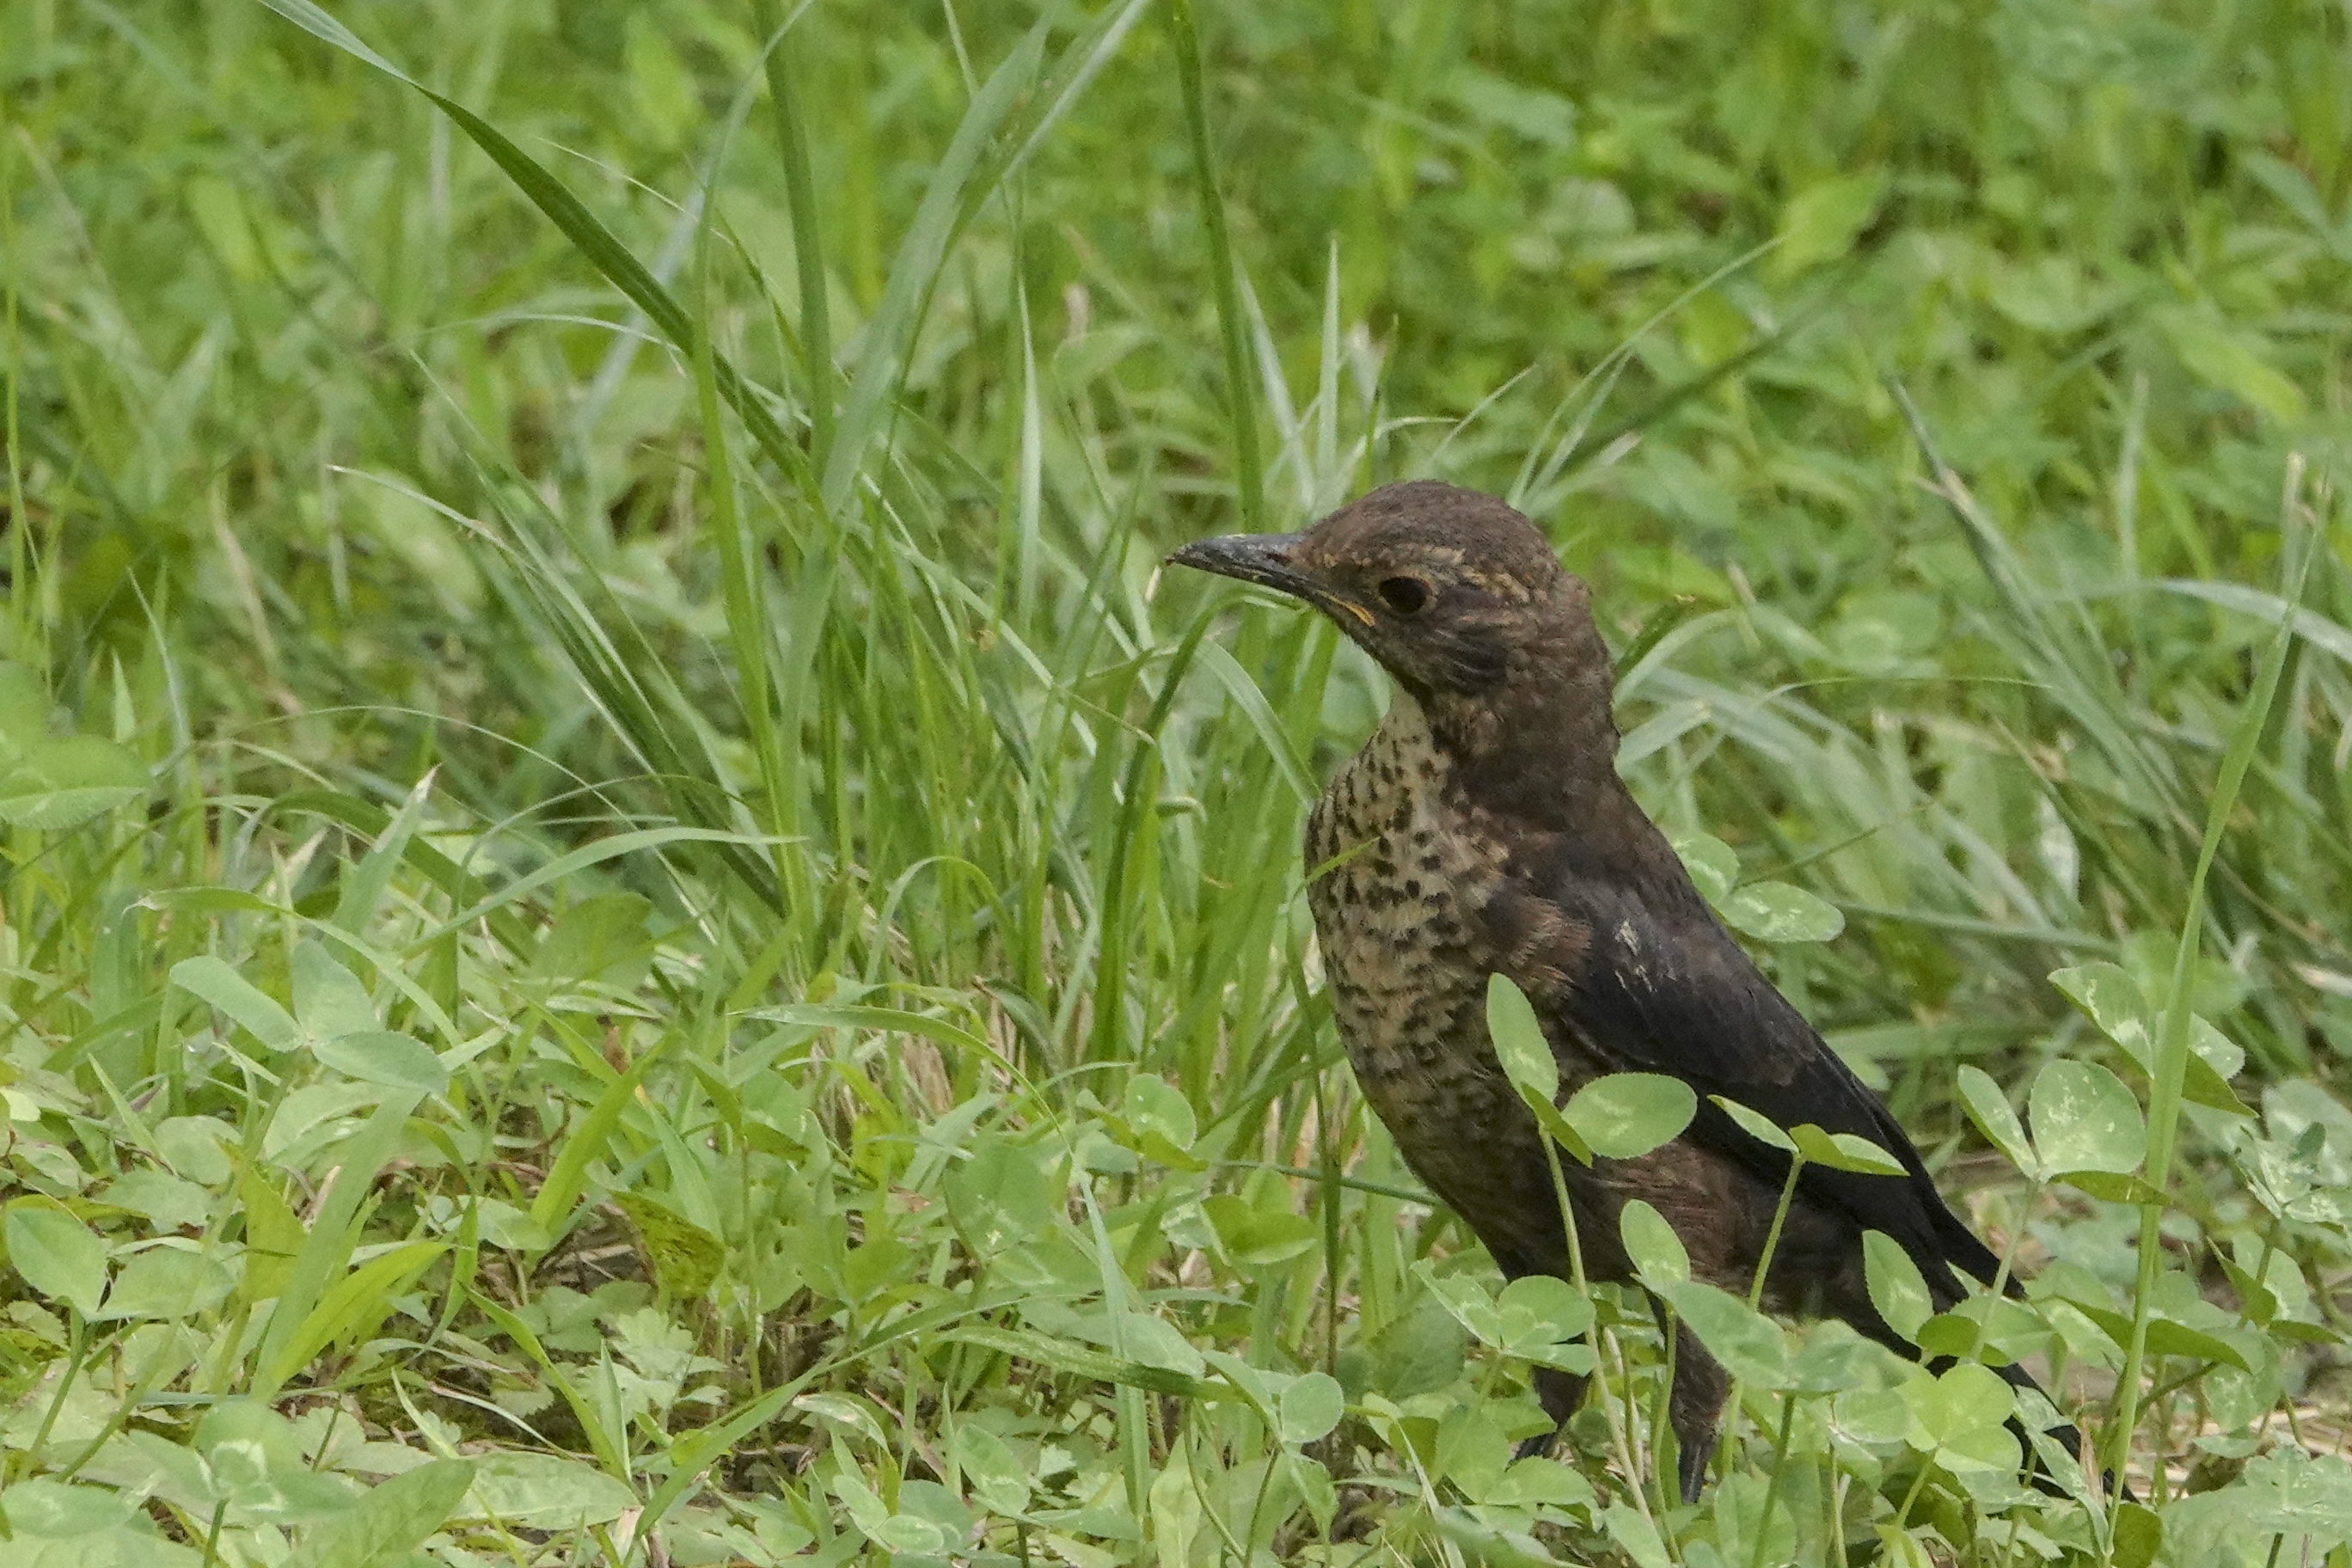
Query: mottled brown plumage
{"x": 1483, "y": 829}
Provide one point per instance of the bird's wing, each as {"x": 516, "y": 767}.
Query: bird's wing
{"x": 1656, "y": 984}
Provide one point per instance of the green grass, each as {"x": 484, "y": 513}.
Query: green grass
{"x": 628, "y": 900}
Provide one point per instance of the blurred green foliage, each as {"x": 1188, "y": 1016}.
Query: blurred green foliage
{"x": 879, "y": 1095}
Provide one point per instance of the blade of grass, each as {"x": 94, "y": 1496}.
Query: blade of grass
{"x": 2171, "y": 1064}
{"x": 808, "y": 239}
{"x": 598, "y": 244}
{"x": 1248, "y": 477}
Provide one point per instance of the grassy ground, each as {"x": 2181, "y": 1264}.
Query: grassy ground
{"x": 635, "y": 930}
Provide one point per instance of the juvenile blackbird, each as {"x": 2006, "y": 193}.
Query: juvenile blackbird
{"x": 1483, "y": 829}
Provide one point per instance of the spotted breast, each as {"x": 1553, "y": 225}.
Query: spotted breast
{"x": 1398, "y": 882}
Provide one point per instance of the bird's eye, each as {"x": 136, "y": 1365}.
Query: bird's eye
{"x": 1404, "y": 594}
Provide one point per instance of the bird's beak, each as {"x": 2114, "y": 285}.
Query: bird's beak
{"x": 1261, "y": 558}
{"x": 1267, "y": 560}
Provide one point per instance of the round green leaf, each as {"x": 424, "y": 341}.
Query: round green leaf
{"x": 166, "y": 1284}
{"x": 2139, "y": 1531}
{"x": 1657, "y": 1252}
{"x": 542, "y": 1491}
{"x": 382, "y": 1057}
{"x": 1844, "y": 1151}
{"x": 687, "y": 1259}
{"x": 1896, "y": 1287}
{"x": 995, "y": 1479}
{"x": 1712, "y": 865}
{"x": 1001, "y": 1196}
{"x": 1154, "y": 1106}
{"x": 1755, "y": 1125}
{"x": 55, "y": 1254}
{"x": 1749, "y": 1345}
{"x": 1539, "y": 1312}
{"x": 327, "y": 998}
{"x": 1520, "y": 1042}
{"x": 1627, "y": 1114}
{"x": 1778, "y": 912}
{"x": 1259, "y": 1238}
{"x": 1990, "y": 1110}
{"x": 1310, "y": 1407}
{"x": 61, "y": 784}
{"x": 1970, "y": 1397}
{"x": 2086, "y": 1119}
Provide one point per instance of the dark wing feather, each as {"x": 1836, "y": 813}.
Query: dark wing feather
{"x": 1660, "y": 986}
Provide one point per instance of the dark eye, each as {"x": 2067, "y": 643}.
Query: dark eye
{"x": 1404, "y": 594}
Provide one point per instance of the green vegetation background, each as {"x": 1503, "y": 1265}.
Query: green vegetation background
{"x": 634, "y": 928}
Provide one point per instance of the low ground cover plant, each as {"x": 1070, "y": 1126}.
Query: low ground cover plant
{"x": 634, "y": 928}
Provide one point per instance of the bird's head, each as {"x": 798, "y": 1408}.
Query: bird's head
{"x": 1458, "y": 596}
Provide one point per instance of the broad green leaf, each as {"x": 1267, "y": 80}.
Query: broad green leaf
{"x": 1310, "y": 1406}
{"x": 994, "y": 1478}
{"x": 2085, "y": 1118}
{"x": 383, "y": 1056}
{"x": 54, "y": 1253}
{"x": 1001, "y": 1196}
{"x": 1418, "y": 1352}
{"x": 1540, "y": 1479}
{"x": 2204, "y": 342}
{"x": 1896, "y": 1287}
{"x": 329, "y": 999}
{"x": 1964, "y": 1398}
{"x": 58, "y": 783}
{"x": 1750, "y": 1345}
{"x": 2138, "y": 1532}
{"x": 1833, "y": 1358}
{"x": 1712, "y": 865}
{"x": 1990, "y": 1110}
{"x": 542, "y": 1491}
{"x": 1174, "y": 1507}
{"x": 389, "y": 1519}
{"x": 23, "y": 707}
{"x": 1844, "y": 1151}
{"x": 39, "y": 1509}
{"x": 2111, "y": 999}
{"x": 1626, "y": 1115}
{"x": 1755, "y": 1125}
{"x": 166, "y": 1284}
{"x": 1820, "y": 222}
{"x": 2166, "y": 1337}
{"x": 1520, "y": 1042}
{"x": 1465, "y": 1300}
{"x": 1780, "y": 912}
{"x": 1657, "y": 1252}
{"x": 211, "y": 980}
{"x": 1256, "y": 1238}
{"x": 1538, "y": 1315}
{"x": 1155, "y": 1342}
{"x": 687, "y": 1259}
{"x": 1634, "y": 1533}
